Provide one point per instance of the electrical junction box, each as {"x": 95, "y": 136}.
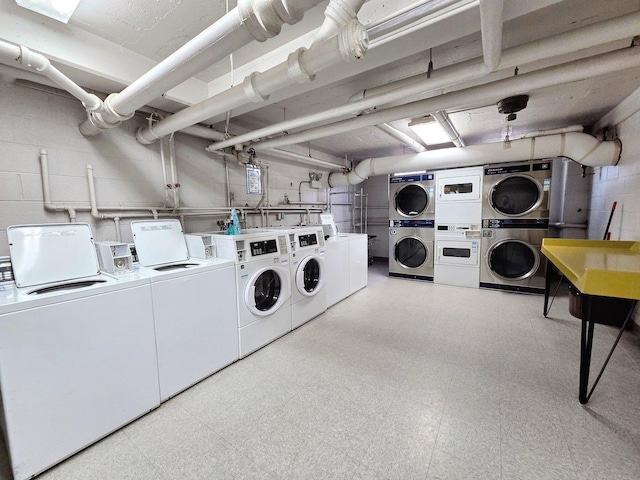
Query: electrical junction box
{"x": 114, "y": 257}
{"x": 201, "y": 245}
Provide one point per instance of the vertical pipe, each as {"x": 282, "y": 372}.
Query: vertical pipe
{"x": 116, "y": 222}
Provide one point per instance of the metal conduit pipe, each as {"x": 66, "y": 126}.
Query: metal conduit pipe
{"x": 250, "y": 20}
{"x": 569, "y": 42}
{"x": 401, "y": 136}
{"x": 443, "y": 119}
{"x": 302, "y": 65}
{"x": 478, "y": 96}
{"x": 10, "y": 54}
{"x": 580, "y": 147}
{"x": 540, "y": 133}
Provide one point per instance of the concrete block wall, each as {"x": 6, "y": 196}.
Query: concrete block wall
{"x": 126, "y": 172}
{"x": 621, "y": 184}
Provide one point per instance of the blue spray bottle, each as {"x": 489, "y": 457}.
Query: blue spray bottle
{"x": 234, "y": 223}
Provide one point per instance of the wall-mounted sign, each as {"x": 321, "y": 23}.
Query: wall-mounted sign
{"x": 254, "y": 183}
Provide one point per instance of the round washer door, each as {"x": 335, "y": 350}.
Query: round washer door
{"x": 268, "y": 289}
{"x": 512, "y": 259}
{"x": 410, "y": 252}
{"x": 516, "y": 195}
{"x": 411, "y": 200}
{"x": 310, "y": 275}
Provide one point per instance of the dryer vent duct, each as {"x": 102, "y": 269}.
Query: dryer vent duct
{"x": 579, "y": 147}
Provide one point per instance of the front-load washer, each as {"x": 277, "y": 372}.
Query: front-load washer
{"x": 511, "y": 258}
{"x": 411, "y": 249}
{"x": 194, "y": 306}
{"x": 263, "y": 281}
{"x": 412, "y": 197}
{"x": 308, "y": 273}
{"x": 517, "y": 190}
{"x": 77, "y": 348}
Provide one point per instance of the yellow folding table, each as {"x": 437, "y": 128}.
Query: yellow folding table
{"x": 596, "y": 268}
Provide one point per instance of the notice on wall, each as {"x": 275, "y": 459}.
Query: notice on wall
{"x": 254, "y": 183}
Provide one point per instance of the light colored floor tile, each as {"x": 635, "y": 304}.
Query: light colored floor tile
{"x": 445, "y": 466}
{"x": 413, "y": 419}
{"x": 395, "y": 455}
{"x": 521, "y": 463}
{"x": 319, "y": 460}
{"x": 540, "y": 434}
{"x": 474, "y": 443}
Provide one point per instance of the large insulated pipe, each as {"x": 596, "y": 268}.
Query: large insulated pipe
{"x": 250, "y": 20}
{"x": 568, "y": 42}
{"x": 302, "y": 65}
{"x": 21, "y": 55}
{"x": 579, "y": 147}
{"x": 491, "y": 31}
{"x": 337, "y": 14}
{"x": 474, "y": 97}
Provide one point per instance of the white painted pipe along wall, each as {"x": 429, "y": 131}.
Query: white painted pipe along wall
{"x": 569, "y": 42}
{"x": 579, "y": 147}
{"x": 250, "y": 20}
{"x": 349, "y": 44}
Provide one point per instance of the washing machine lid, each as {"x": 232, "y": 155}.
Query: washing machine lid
{"x": 51, "y": 253}
{"x": 159, "y": 242}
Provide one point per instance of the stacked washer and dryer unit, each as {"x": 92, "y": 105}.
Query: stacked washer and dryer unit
{"x": 411, "y": 225}
{"x": 515, "y": 219}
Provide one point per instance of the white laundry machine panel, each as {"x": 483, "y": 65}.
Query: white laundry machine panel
{"x": 517, "y": 190}
{"x": 412, "y": 197}
{"x": 77, "y": 355}
{"x": 511, "y": 258}
{"x": 457, "y": 255}
{"x": 338, "y": 271}
{"x": 358, "y": 261}
{"x": 411, "y": 249}
{"x": 459, "y": 195}
{"x": 194, "y": 306}
{"x": 263, "y": 281}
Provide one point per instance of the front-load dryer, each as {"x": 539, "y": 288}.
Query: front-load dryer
{"x": 263, "y": 280}
{"x": 411, "y": 249}
{"x": 516, "y": 190}
{"x": 194, "y": 306}
{"x": 511, "y": 258}
{"x": 412, "y": 197}
{"x": 77, "y": 348}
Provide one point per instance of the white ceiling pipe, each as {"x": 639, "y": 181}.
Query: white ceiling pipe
{"x": 12, "y": 54}
{"x": 473, "y": 97}
{"x": 554, "y": 131}
{"x": 580, "y": 147}
{"x": 491, "y": 31}
{"x": 302, "y": 65}
{"x": 401, "y": 137}
{"x": 297, "y": 157}
{"x": 251, "y": 19}
{"x": 569, "y": 42}
{"x": 337, "y": 14}
{"x": 445, "y": 123}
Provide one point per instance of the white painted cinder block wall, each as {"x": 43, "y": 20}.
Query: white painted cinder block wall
{"x": 620, "y": 183}
{"x": 126, "y": 172}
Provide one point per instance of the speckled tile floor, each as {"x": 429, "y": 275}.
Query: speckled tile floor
{"x": 404, "y": 380}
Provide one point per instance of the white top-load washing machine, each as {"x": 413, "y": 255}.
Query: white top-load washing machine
{"x": 194, "y": 306}
{"x": 263, "y": 281}
{"x": 77, "y": 348}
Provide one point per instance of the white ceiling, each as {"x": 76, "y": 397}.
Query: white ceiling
{"x": 107, "y": 45}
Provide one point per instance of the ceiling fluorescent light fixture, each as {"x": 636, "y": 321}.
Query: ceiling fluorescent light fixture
{"x": 429, "y": 131}
{"x": 60, "y": 10}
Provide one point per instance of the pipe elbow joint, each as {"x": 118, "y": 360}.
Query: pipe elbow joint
{"x": 33, "y": 60}
{"x": 353, "y": 41}
{"x": 264, "y": 18}
{"x": 146, "y": 136}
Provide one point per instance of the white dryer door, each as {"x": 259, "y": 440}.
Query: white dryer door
{"x": 267, "y": 290}
{"x": 310, "y": 275}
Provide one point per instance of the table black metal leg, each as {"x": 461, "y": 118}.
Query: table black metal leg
{"x": 586, "y": 344}
{"x": 547, "y": 287}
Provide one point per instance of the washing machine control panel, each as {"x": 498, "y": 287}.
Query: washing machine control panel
{"x": 263, "y": 247}
{"x": 542, "y": 223}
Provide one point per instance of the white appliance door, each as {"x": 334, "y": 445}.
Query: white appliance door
{"x": 159, "y": 242}
{"x": 267, "y": 290}
{"x": 310, "y": 275}
{"x": 465, "y": 188}
{"x": 457, "y": 252}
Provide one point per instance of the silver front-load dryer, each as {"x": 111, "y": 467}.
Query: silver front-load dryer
{"x": 511, "y": 259}
{"x": 517, "y": 190}
{"x": 411, "y": 249}
{"x": 412, "y": 197}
